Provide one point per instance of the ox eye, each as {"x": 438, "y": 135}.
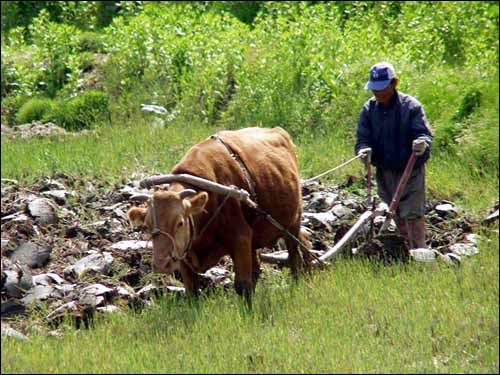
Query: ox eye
{"x": 180, "y": 224}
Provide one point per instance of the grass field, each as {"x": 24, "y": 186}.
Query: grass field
{"x": 357, "y": 317}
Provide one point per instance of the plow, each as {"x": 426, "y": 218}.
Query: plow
{"x": 317, "y": 258}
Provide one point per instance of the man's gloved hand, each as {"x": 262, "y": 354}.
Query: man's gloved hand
{"x": 419, "y": 146}
{"x": 365, "y": 154}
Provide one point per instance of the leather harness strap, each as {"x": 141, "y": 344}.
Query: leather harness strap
{"x": 246, "y": 173}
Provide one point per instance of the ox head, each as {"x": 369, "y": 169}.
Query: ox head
{"x": 169, "y": 219}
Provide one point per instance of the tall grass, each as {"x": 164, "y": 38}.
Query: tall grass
{"x": 116, "y": 153}
{"x": 354, "y": 318}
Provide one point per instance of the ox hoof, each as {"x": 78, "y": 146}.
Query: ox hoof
{"x": 244, "y": 289}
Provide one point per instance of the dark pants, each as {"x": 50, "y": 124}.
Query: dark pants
{"x": 411, "y": 207}
{"x": 412, "y": 202}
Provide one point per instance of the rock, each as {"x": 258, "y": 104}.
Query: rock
{"x": 31, "y": 254}
{"x": 342, "y": 212}
{"x": 125, "y": 291}
{"x": 58, "y": 195}
{"x": 37, "y": 129}
{"x": 5, "y": 243}
{"x": 106, "y": 227}
{"x": 176, "y": 289}
{"x": 98, "y": 290}
{"x": 462, "y": 249}
{"x": 13, "y": 307}
{"x": 11, "y": 332}
{"x": 446, "y": 210}
{"x": 90, "y": 300}
{"x": 472, "y": 238}
{"x": 50, "y": 184}
{"x": 109, "y": 309}
{"x": 451, "y": 259}
{"x": 352, "y": 204}
{"x": 97, "y": 262}
{"x": 321, "y": 220}
{"x": 423, "y": 255}
{"x": 16, "y": 282}
{"x": 47, "y": 279}
{"x": 132, "y": 245}
{"x": 41, "y": 293}
{"x": 491, "y": 218}
{"x": 321, "y": 201}
{"x": 147, "y": 291}
{"x": 43, "y": 211}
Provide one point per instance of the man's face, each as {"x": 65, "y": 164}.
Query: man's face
{"x": 384, "y": 96}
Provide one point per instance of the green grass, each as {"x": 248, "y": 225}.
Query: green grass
{"x": 115, "y": 153}
{"x": 357, "y": 317}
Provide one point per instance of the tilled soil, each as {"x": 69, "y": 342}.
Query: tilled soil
{"x": 67, "y": 245}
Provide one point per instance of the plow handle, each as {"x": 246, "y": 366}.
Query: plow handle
{"x": 399, "y": 191}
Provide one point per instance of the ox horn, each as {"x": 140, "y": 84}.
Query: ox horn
{"x": 201, "y": 183}
{"x": 187, "y": 193}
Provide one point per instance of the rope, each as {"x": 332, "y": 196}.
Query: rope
{"x": 213, "y": 216}
{"x": 333, "y": 169}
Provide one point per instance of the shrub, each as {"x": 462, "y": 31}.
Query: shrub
{"x": 82, "y": 112}
{"x": 10, "y": 107}
{"x": 90, "y": 42}
{"x": 34, "y": 110}
{"x": 470, "y": 101}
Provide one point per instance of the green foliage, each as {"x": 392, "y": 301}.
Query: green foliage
{"x": 90, "y": 42}
{"x": 82, "y": 112}
{"x": 57, "y": 46}
{"x": 470, "y": 101}
{"x": 105, "y": 12}
{"x": 245, "y": 11}
{"x": 34, "y": 110}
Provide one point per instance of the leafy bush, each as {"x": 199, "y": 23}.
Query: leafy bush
{"x": 90, "y": 41}
{"x": 57, "y": 47}
{"x": 34, "y": 110}
{"x": 470, "y": 101}
{"x": 11, "y": 106}
{"x": 82, "y": 112}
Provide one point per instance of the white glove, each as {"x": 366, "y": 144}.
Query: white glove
{"x": 419, "y": 146}
{"x": 365, "y": 154}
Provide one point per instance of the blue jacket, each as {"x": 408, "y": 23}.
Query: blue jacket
{"x": 390, "y": 132}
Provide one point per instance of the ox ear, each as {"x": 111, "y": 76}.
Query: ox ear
{"x": 198, "y": 203}
{"x": 137, "y": 215}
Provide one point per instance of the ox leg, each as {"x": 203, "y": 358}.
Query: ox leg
{"x": 190, "y": 280}
{"x": 243, "y": 269}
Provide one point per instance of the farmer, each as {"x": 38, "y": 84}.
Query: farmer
{"x": 392, "y": 124}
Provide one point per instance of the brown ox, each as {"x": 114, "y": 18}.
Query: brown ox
{"x": 196, "y": 229}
